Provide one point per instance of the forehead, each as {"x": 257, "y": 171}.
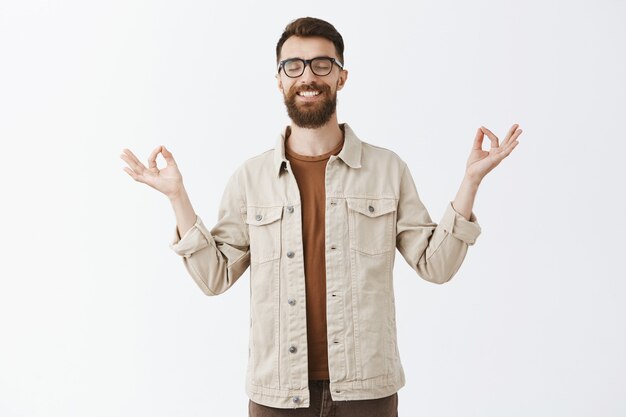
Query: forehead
{"x": 307, "y": 47}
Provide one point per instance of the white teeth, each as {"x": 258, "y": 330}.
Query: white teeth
{"x": 308, "y": 93}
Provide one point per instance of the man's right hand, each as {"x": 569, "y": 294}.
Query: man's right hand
{"x": 167, "y": 180}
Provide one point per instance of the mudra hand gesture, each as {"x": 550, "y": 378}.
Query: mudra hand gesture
{"x": 167, "y": 180}
{"x": 481, "y": 162}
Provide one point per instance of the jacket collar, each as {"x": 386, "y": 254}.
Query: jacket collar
{"x": 350, "y": 152}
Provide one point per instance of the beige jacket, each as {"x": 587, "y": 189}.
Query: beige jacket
{"x": 372, "y": 208}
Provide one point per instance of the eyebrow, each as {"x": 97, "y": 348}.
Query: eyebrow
{"x": 297, "y": 57}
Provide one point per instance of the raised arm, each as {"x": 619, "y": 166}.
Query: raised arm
{"x": 434, "y": 251}
{"x": 215, "y": 259}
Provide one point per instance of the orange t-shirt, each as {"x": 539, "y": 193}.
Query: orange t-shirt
{"x": 310, "y": 173}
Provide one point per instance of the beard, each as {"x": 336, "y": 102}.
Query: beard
{"x": 311, "y": 115}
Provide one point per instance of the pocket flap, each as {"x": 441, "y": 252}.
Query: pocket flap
{"x": 372, "y": 207}
{"x": 259, "y": 216}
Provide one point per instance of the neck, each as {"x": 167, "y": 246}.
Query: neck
{"x": 313, "y": 142}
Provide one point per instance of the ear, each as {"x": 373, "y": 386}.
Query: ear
{"x": 280, "y": 82}
{"x": 343, "y": 77}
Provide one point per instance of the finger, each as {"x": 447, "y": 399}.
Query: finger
{"x": 511, "y": 134}
{"x": 130, "y": 154}
{"x": 131, "y": 163}
{"x": 513, "y": 138}
{"x": 130, "y": 172}
{"x": 134, "y": 162}
{"x": 493, "y": 138}
{"x": 152, "y": 158}
{"x": 169, "y": 158}
{"x": 515, "y": 134}
{"x": 134, "y": 175}
{"x": 506, "y": 151}
{"x": 478, "y": 140}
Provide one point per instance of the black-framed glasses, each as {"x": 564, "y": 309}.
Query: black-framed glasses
{"x": 321, "y": 65}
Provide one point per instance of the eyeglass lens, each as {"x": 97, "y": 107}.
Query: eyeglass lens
{"x": 319, "y": 66}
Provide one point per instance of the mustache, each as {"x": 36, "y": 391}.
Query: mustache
{"x": 309, "y": 87}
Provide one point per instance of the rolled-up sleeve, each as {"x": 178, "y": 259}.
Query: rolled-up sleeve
{"x": 434, "y": 251}
{"x": 216, "y": 258}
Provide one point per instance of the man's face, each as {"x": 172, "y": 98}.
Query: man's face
{"x": 310, "y": 111}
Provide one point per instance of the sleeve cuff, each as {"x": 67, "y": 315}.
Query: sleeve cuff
{"x": 461, "y": 228}
{"x": 196, "y": 238}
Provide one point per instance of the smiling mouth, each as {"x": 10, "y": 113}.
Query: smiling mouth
{"x": 308, "y": 93}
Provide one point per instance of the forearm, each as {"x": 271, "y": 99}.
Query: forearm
{"x": 464, "y": 200}
{"x": 185, "y": 214}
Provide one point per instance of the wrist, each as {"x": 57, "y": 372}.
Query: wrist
{"x": 472, "y": 181}
{"x": 178, "y": 195}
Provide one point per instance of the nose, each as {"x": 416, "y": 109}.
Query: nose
{"x": 307, "y": 75}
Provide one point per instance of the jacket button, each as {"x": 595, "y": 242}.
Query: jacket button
{"x": 290, "y": 209}
{"x": 293, "y": 349}
{"x": 296, "y": 399}
{"x": 258, "y": 217}
{"x": 333, "y": 247}
{"x": 292, "y": 301}
{"x": 371, "y": 209}
{"x": 290, "y": 254}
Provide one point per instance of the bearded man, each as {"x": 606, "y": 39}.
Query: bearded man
{"x": 318, "y": 219}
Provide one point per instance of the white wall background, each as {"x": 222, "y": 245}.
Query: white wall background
{"x": 98, "y": 316}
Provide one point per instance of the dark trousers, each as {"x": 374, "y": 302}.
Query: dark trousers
{"x": 322, "y": 405}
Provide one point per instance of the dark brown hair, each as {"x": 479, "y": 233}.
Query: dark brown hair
{"x": 311, "y": 26}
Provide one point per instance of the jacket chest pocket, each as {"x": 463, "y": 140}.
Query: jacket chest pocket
{"x": 264, "y": 228}
{"x": 372, "y": 224}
